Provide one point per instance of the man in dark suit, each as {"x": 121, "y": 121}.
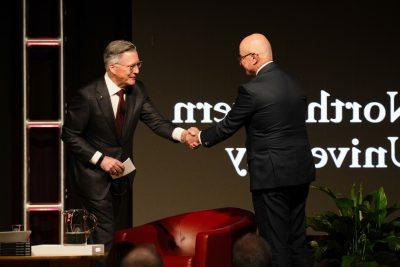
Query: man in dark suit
{"x": 98, "y": 132}
{"x": 272, "y": 108}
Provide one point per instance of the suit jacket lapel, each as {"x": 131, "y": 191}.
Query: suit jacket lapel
{"x": 130, "y": 100}
{"x": 103, "y": 98}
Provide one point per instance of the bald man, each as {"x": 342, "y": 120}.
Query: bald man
{"x": 272, "y": 108}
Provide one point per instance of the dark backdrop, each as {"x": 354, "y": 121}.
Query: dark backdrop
{"x": 189, "y": 51}
{"x": 11, "y": 124}
{"x": 88, "y": 27}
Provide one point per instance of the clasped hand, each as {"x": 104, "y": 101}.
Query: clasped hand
{"x": 191, "y": 137}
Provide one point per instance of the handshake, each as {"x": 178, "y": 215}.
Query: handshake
{"x": 191, "y": 137}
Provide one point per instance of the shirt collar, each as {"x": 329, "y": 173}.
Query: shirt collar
{"x": 263, "y": 65}
{"x": 111, "y": 86}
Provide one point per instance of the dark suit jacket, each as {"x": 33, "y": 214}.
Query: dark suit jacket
{"x": 273, "y": 109}
{"x": 89, "y": 127}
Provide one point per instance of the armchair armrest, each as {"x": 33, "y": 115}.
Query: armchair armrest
{"x": 216, "y": 245}
{"x": 151, "y": 233}
{"x": 142, "y": 234}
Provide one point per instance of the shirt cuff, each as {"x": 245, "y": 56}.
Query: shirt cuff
{"x": 95, "y": 157}
{"x": 199, "y": 137}
{"x": 177, "y": 134}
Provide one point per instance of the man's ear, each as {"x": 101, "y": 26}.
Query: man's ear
{"x": 256, "y": 58}
{"x": 111, "y": 68}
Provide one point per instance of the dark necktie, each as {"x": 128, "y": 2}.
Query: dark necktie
{"x": 120, "y": 116}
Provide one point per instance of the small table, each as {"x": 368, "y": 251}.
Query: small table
{"x": 50, "y": 261}
{"x": 57, "y": 256}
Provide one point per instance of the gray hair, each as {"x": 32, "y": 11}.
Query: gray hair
{"x": 251, "y": 250}
{"x": 144, "y": 256}
{"x": 115, "y": 49}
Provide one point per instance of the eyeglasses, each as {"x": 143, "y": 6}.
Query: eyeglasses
{"x": 133, "y": 66}
{"x": 240, "y": 58}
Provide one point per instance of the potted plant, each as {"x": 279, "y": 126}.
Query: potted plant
{"x": 360, "y": 233}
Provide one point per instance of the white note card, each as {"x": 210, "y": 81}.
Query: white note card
{"x": 129, "y": 167}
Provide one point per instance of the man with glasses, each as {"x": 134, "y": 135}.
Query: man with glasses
{"x": 272, "y": 108}
{"x": 98, "y": 131}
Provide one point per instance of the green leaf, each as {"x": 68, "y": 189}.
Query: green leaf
{"x": 358, "y": 234}
{"x": 318, "y": 253}
{"x": 360, "y": 194}
{"x": 386, "y": 258}
{"x": 319, "y": 223}
{"x": 365, "y": 206}
{"x": 368, "y": 204}
{"x": 396, "y": 222}
{"x": 345, "y": 206}
{"x": 381, "y": 216}
{"x": 393, "y": 242}
{"x": 343, "y": 226}
{"x": 348, "y": 261}
{"x": 353, "y": 194}
{"x": 380, "y": 199}
{"x": 324, "y": 189}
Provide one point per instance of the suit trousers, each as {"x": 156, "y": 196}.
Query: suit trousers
{"x": 280, "y": 217}
{"x": 106, "y": 211}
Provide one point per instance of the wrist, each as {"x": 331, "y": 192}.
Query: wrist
{"x": 183, "y": 136}
{"x": 98, "y": 163}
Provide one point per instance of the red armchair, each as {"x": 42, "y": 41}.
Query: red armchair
{"x": 196, "y": 239}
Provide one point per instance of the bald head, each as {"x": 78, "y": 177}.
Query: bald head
{"x": 259, "y": 48}
{"x": 257, "y": 43}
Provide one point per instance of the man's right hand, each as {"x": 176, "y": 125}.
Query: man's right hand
{"x": 112, "y": 166}
{"x": 192, "y": 138}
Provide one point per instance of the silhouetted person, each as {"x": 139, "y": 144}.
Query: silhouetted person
{"x": 117, "y": 252}
{"x": 251, "y": 250}
{"x": 143, "y": 256}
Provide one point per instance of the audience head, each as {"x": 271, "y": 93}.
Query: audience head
{"x": 117, "y": 252}
{"x": 251, "y": 250}
{"x": 143, "y": 256}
